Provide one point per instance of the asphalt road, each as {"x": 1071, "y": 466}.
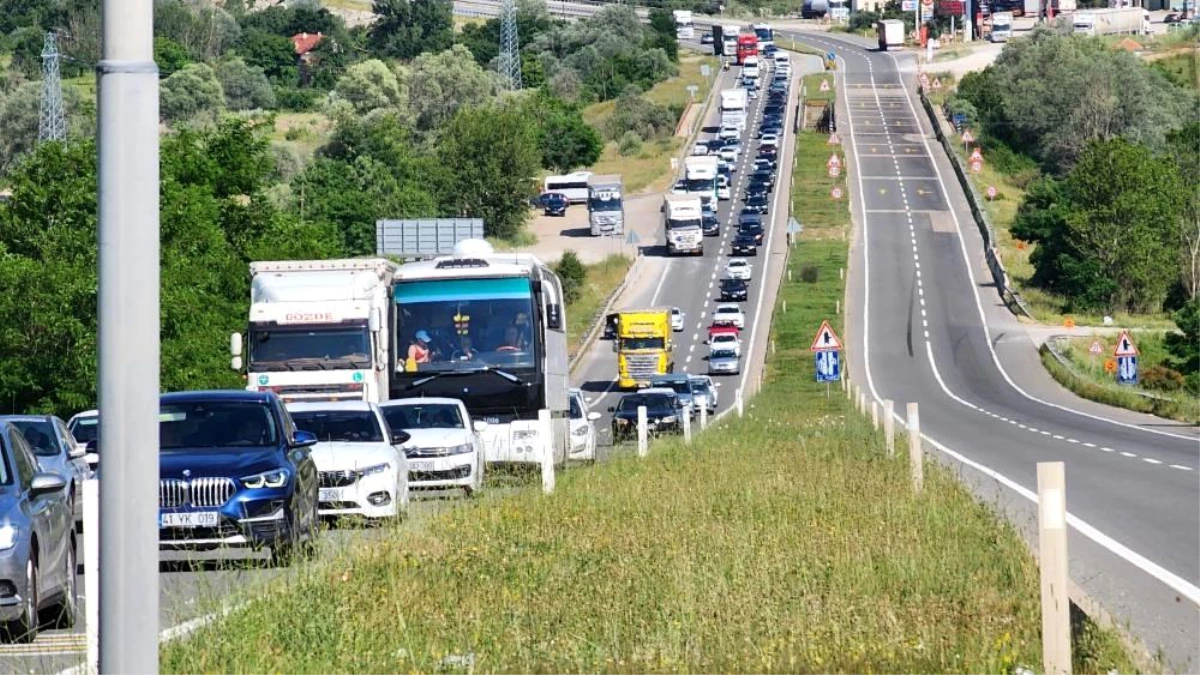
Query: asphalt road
{"x": 928, "y": 326}
{"x": 190, "y": 585}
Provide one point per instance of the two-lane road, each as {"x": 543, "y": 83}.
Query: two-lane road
{"x": 929, "y": 327}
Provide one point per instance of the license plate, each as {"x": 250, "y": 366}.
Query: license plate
{"x": 420, "y": 466}
{"x": 190, "y": 519}
{"x": 329, "y": 495}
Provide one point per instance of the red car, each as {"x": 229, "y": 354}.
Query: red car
{"x": 722, "y": 328}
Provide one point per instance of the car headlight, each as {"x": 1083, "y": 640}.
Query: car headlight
{"x": 621, "y": 421}
{"x": 581, "y": 431}
{"x": 374, "y": 469}
{"x": 522, "y": 434}
{"x": 8, "y": 537}
{"x": 669, "y": 419}
{"x": 268, "y": 479}
{"x": 460, "y": 449}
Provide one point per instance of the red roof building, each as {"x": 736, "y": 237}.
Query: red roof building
{"x": 304, "y": 43}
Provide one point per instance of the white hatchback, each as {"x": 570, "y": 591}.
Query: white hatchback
{"x": 444, "y": 451}
{"x": 729, "y": 313}
{"x": 739, "y": 268}
{"x": 677, "y": 319}
{"x": 361, "y": 471}
{"x": 725, "y": 341}
{"x": 583, "y": 427}
{"x": 769, "y": 139}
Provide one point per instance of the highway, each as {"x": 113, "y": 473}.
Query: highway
{"x": 194, "y": 587}
{"x": 927, "y": 325}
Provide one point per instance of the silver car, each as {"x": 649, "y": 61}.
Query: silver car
{"x": 37, "y": 541}
{"x": 56, "y": 451}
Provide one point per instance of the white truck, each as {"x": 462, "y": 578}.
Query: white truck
{"x": 700, "y": 177}
{"x": 890, "y": 33}
{"x": 606, "y": 208}
{"x": 733, "y": 108}
{"x": 685, "y": 29}
{"x": 765, "y": 35}
{"x": 1113, "y": 21}
{"x": 1002, "y": 23}
{"x": 683, "y": 216}
{"x": 729, "y": 37}
{"x": 318, "y": 329}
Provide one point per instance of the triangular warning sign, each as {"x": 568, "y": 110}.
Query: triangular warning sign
{"x": 834, "y": 140}
{"x": 967, "y": 137}
{"x": 937, "y": 83}
{"x": 833, "y": 160}
{"x": 1095, "y": 348}
{"x": 976, "y": 155}
{"x": 824, "y": 85}
{"x": 1125, "y": 346}
{"x": 826, "y": 339}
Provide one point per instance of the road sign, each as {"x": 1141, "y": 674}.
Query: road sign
{"x": 794, "y": 226}
{"x": 834, "y": 140}
{"x": 908, "y": 5}
{"x": 830, "y": 56}
{"x": 824, "y": 85}
{"x": 1127, "y": 370}
{"x": 705, "y": 70}
{"x": 834, "y": 171}
{"x": 967, "y": 136}
{"x": 991, "y": 192}
{"x": 829, "y": 365}
{"x": 833, "y": 160}
{"x": 692, "y": 89}
{"x": 1125, "y": 346}
{"x": 937, "y": 83}
{"x": 825, "y": 339}
{"x": 836, "y": 192}
{"x": 1096, "y": 348}
{"x": 632, "y": 238}
{"x": 839, "y": 13}
{"x": 976, "y": 155}
{"x": 976, "y": 166}
{"x": 1110, "y": 366}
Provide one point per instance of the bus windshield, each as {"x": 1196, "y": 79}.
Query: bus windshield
{"x": 465, "y": 324}
{"x": 701, "y": 184}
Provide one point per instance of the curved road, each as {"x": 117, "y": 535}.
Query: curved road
{"x": 930, "y": 327}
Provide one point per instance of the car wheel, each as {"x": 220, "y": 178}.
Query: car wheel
{"x": 68, "y": 606}
{"x": 24, "y": 628}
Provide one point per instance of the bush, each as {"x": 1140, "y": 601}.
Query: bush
{"x": 634, "y": 113}
{"x": 573, "y": 274}
{"x": 1161, "y": 378}
{"x": 809, "y": 274}
{"x": 630, "y": 144}
{"x": 296, "y": 99}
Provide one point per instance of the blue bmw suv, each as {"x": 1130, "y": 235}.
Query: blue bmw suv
{"x": 235, "y": 471}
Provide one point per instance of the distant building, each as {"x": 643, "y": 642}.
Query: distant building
{"x": 304, "y": 44}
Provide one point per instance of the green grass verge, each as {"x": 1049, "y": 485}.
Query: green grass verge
{"x": 602, "y": 279}
{"x": 752, "y": 550}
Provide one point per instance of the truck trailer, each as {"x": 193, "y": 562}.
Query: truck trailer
{"x": 1112, "y": 21}
{"x": 733, "y": 107}
{"x": 890, "y": 33}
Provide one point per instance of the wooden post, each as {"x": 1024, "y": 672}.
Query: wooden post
{"x": 547, "y": 451}
{"x": 889, "y": 426}
{"x": 643, "y": 433}
{"x": 1052, "y": 549}
{"x": 687, "y": 424}
{"x": 915, "y": 458}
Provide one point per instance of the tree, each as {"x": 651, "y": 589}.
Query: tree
{"x": 405, "y": 28}
{"x": 19, "y": 121}
{"x": 564, "y": 139}
{"x": 662, "y": 23}
{"x": 444, "y": 82}
{"x": 170, "y": 56}
{"x": 1123, "y": 216}
{"x": 573, "y": 275}
{"x": 1184, "y": 148}
{"x": 367, "y": 86}
{"x": 275, "y": 54}
{"x": 192, "y": 91}
{"x": 492, "y": 154}
{"x": 204, "y": 30}
{"x": 245, "y": 87}
{"x": 1184, "y": 346}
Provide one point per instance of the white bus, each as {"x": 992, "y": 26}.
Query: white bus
{"x": 765, "y": 35}
{"x": 685, "y": 28}
{"x": 573, "y": 186}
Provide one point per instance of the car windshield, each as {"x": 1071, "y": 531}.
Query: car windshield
{"x": 655, "y": 403}
{"x": 40, "y": 436}
{"x": 680, "y": 386}
{"x": 344, "y": 426}
{"x": 642, "y": 343}
{"x": 423, "y": 416}
{"x": 85, "y": 429}
{"x": 216, "y": 424}
{"x": 723, "y": 354}
{"x": 309, "y": 347}
{"x": 727, "y": 310}
{"x": 576, "y": 410}
{"x": 732, "y": 283}
{"x": 700, "y": 387}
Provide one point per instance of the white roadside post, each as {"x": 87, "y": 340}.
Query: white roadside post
{"x": 643, "y": 433}
{"x": 91, "y": 572}
{"x": 547, "y": 430}
{"x": 875, "y": 414}
{"x": 741, "y": 408}
{"x": 915, "y": 460}
{"x": 704, "y": 416}
{"x": 889, "y": 426}
{"x": 687, "y": 424}
{"x": 1052, "y": 549}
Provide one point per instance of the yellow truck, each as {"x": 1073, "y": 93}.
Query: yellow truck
{"x": 643, "y": 346}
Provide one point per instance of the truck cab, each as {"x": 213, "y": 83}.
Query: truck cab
{"x": 683, "y": 224}
{"x": 606, "y": 207}
{"x": 643, "y": 346}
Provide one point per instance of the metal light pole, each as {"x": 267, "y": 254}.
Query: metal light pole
{"x": 129, "y": 344}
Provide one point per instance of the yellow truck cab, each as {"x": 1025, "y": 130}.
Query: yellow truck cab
{"x": 643, "y": 346}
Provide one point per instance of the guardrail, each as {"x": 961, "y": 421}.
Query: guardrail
{"x": 1011, "y": 297}
{"x": 598, "y": 319}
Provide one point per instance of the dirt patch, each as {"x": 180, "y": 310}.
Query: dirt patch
{"x": 557, "y": 234}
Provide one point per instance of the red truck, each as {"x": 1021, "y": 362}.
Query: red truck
{"x": 747, "y": 45}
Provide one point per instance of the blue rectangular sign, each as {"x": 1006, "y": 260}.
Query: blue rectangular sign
{"x": 829, "y": 365}
{"x": 1127, "y": 370}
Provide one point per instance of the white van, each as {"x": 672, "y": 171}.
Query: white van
{"x": 784, "y": 59}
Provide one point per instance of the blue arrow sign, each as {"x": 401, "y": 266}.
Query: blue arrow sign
{"x": 1127, "y": 370}
{"x": 829, "y": 365}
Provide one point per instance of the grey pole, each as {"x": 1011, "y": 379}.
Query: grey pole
{"x": 129, "y": 343}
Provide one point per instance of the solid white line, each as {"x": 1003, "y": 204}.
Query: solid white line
{"x": 1151, "y": 460}
{"x": 1181, "y": 467}
{"x": 658, "y": 288}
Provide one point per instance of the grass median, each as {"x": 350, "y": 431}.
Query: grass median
{"x": 602, "y": 279}
{"x": 784, "y": 541}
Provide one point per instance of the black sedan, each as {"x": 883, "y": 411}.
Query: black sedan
{"x": 744, "y": 244}
{"x": 763, "y": 176}
{"x": 757, "y": 204}
{"x": 554, "y": 204}
{"x": 735, "y": 290}
{"x": 752, "y": 224}
{"x": 710, "y": 226}
{"x": 768, "y": 151}
{"x": 663, "y": 412}
{"x": 706, "y": 39}
{"x": 757, "y": 189}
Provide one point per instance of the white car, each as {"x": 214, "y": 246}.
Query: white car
{"x": 729, "y": 153}
{"x": 445, "y": 450}
{"x": 583, "y": 428}
{"x": 725, "y": 341}
{"x": 739, "y": 268}
{"x": 699, "y": 150}
{"x": 729, "y": 313}
{"x": 677, "y": 318}
{"x": 724, "y": 192}
{"x": 680, "y": 188}
{"x": 769, "y": 139}
{"x": 361, "y": 469}
{"x": 729, "y": 132}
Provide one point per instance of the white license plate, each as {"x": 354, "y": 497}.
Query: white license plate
{"x": 190, "y": 519}
{"x": 420, "y": 466}
{"x": 329, "y": 495}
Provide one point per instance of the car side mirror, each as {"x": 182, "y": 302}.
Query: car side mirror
{"x": 593, "y": 416}
{"x": 479, "y": 426}
{"x": 612, "y": 408}
{"x": 615, "y": 346}
{"x": 77, "y": 450}
{"x": 45, "y": 483}
{"x": 303, "y": 439}
{"x": 400, "y": 437}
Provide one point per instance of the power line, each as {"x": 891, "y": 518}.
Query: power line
{"x": 52, "y": 119}
{"x": 510, "y": 55}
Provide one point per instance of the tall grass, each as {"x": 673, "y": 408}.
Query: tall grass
{"x": 784, "y": 541}
{"x": 602, "y": 279}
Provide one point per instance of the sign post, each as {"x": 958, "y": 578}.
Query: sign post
{"x": 827, "y": 351}
{"x": 1126, "y": 354}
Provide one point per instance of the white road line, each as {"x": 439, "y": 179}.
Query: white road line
{"x": 1151, "y": 460}
{"x": 1181, "y": 467}
{"x": 1127, "y": 454}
